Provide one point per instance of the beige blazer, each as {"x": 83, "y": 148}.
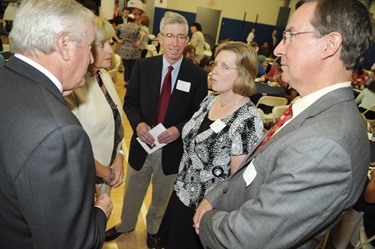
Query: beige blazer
{"x": 91, "y": 108}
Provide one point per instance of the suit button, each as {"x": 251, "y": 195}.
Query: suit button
{"x": 225, "y": 190}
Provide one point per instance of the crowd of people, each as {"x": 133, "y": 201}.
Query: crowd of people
{"x": 218, "y": 181}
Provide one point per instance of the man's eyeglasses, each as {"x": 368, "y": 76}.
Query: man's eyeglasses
{"x": 221, "y": 66}
{"x": 169, "y": 37}
{"x": 288, "y": 34}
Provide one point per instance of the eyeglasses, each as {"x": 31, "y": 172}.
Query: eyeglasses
{"x": 221, "y": 66}
{"x": 170, "y": 38}
{"x": 288, "y": 35}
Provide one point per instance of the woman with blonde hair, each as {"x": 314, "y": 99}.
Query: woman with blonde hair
{"x": 98, "y": 108}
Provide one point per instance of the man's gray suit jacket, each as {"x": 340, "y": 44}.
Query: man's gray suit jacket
{"x": 47, "y": 170}
{"x": 308, "y": 174}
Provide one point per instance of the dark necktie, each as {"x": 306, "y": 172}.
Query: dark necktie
{"x": 165, "y": 95}
{"x": 287, "y": 114}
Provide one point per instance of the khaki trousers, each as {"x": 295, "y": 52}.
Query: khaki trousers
{"x": 136, "y": 185}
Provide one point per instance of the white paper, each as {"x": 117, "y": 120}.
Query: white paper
{"x": 183, "y": 86}
{"x": 155, "y": 132}
{"x": 250, "y": 173}
{"x": 217, "y": 126}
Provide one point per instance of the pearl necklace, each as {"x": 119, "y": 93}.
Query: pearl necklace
{"x": 230, "y": 104}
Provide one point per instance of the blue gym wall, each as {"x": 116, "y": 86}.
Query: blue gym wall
{"x": 238, "y": 30}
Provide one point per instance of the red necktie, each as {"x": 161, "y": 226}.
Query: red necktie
{"x": 165, "y": 95}
{"x": 287, "y": 114}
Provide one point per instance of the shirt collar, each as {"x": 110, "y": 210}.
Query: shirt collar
{"x": 41, "y": 69}
{"x": 303, "y": 103}
{"x": 176, "y": 65}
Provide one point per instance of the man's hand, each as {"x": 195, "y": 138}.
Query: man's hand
{"x": 143, "y": 134}
{"x": 104, "y": 203}
{"x": 203, "y": 207}
{"x": 169, "y": 135}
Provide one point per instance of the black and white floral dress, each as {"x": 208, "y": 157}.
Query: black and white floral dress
{"x": 205, "y": 163}
{"x": 207, "y": 155}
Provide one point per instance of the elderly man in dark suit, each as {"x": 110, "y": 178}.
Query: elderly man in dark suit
{"x": 142, "y": 106}
{"x": 47, "y": 170}
{"x": 295, "y": 186}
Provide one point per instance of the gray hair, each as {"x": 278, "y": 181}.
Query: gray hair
{"x": 37, "y": 23}
{"x": 352, "y": 20}
{"x": 170, "y": 18}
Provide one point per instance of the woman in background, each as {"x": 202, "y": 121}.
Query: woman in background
{"x": 145, "y": 23}
{"x": 216, "y": 140}
{"x": 98, "y": 108}
{"x": 359, "y": 78}
{"x": 274, "y": 75}
{"x": 366, "y": 99}
{"x": 130, "y": 37}
{"x": 197, "y": 40}
{"x": 189, "y": 53}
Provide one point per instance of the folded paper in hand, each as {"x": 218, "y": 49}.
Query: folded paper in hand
{"x": 155, "y": 133}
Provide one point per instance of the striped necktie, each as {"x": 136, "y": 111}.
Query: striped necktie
{"x": 287, "y": 114}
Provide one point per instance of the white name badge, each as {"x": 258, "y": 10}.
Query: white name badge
{"x": 183, "y": 86}
{"x": 217, "y": 126}
{"x": 250, "y": 173}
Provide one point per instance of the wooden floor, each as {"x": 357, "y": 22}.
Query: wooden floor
{"x": 136, "y": 239}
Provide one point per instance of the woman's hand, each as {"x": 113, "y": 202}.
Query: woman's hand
{"x": 118, "y": 167}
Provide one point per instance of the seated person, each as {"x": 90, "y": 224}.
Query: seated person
{"x": 189, "y": 53}
{"x": 265, "y": 50}
{"x": 255, "y": 46}
{"x": 359, "y": 78}
{"x": 261, "y": 70}
{"x": 207, "y": 64}
{"x": 274, "y": 75}
{"x": 366, "y": 99}
{"x": 290, "y": 93}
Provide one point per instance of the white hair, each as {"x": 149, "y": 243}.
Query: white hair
{"x": 37, "y": 24}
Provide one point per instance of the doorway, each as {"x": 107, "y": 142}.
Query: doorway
{"x": 210, "y": 20}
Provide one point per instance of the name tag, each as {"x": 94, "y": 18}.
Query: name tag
{"x": 217, "y": 126}
{"x": 183, "y": 86}
{"x": 250, "y": 173}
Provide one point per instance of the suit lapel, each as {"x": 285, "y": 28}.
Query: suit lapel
{"x": 322, "y": 104}
{"x": 155, "y": 75}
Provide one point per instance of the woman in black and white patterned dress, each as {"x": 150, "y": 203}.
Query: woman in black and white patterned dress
{"x": 216, "y": 140}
